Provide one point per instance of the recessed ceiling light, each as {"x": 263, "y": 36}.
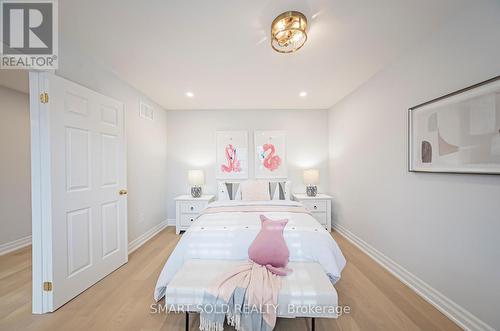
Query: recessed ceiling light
{"x": 189, "y": 94}
{"x": 303, "y": 94}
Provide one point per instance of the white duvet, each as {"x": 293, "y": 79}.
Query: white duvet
{"x": 227, "y": 236}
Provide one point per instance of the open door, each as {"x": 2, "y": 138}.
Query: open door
{"x": 79, "y": 199}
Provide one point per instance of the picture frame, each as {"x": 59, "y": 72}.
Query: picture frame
{"x": 270, "y": 155}
{"x": 231, "y": 155}
{"x": 458, "y": 132}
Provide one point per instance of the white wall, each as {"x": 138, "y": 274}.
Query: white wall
{"x": 445, "y": 229}
{"x": 191, "y": 143}
{"x": 15, "y": 187}
{"x": 146, "y": 140}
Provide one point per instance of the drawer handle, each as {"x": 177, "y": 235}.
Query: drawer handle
{"x": 315, "y": 207}
{"x": 192, "y": 208}
{"x": 192, "y": 220}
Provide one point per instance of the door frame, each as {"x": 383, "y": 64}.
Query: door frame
{"x": 41, "y": 221}
{"x": 41, "y": 191}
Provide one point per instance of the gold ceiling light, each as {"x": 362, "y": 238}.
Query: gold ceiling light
{"x": 288, "y": 32}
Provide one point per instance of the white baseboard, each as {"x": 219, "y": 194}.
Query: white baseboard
{"x": 171, "y": 222}
{"x": 452, "y": 310}
{"x": 14, "y": 245}
{"x": 132, "y": 246}
{"x": 142, "y": 239}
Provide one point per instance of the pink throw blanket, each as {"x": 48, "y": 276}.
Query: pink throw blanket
{"x": 248, "y": 294}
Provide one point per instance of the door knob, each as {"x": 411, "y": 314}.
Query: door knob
{"x": 123, "y": 192}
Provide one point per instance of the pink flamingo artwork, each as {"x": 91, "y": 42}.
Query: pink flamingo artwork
{"x": 233, "y": 164}
{"x": 271, "y": 161}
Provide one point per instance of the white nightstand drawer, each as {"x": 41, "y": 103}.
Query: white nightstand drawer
{"x": 187, "y": 209}
{"x": 188, "y": 219}
{"x": 316, "y": 206}
{"x": 320, "y": 207}
{"x": 321, "y": 218}
{"x": 192, "y": 206}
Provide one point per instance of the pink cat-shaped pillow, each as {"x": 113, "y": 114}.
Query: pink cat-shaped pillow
{"x": 269, "y": 247}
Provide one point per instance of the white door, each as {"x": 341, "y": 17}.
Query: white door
{"x": 79, "y": 195}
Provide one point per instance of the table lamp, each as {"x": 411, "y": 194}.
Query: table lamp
{"x": 196, "y": 180}
{"x": 311, "y": 178}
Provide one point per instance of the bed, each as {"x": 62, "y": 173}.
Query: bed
{"x": 226, "y": 229}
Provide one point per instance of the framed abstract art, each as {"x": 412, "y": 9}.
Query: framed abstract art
{"x": 232, "y": 155}
{"x": 270, "y": 154}
{"x": 457, "y": 133}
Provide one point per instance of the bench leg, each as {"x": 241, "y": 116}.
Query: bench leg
{"x": 313, "y": 323}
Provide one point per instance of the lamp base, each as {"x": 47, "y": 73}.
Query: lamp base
{"x": 311, "y": 190}
{"x": 196, "y": 191}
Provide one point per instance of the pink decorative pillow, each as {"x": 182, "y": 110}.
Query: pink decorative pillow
{"x": 269, "y": 247}
{"x": 255, "y": 190}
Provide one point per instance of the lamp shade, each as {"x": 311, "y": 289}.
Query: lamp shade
{"x": 311, "y": 176}
{"x": 196, "y": 177}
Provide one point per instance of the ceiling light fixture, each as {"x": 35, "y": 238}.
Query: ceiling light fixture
{"x": 303, "y": 94}
{"x": 288, "y": 32}
{"x": 189, "y": 94}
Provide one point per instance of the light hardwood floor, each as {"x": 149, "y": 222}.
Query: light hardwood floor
{"x": 122, "y": 300}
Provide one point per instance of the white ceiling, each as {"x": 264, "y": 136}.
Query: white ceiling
{"x": 220, "y": 50}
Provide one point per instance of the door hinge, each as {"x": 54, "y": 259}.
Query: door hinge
{"x": 47, "y": 286}
{"x": 44, "y": 97}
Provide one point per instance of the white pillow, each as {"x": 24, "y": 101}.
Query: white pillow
{"x": 280, "y": 190}
{"x": 222, "y": 194}
{"x": 229, "y": 191}
{"x": 237, "y": 195}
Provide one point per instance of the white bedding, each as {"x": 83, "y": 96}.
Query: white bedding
{"x": 227, "y": 236}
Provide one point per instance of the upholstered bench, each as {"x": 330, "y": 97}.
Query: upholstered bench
{"x": 306, "y": 292}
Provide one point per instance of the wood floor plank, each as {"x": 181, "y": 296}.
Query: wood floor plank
{"x": 121, "y": 301}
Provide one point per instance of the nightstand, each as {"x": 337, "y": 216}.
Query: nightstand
{"x": 320, "y": 207}
{"x": 188, "y": 208}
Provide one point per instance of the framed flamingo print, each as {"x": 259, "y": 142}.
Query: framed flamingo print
{"x": 232, "y": 155}
{"x": 270, "y": 154}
